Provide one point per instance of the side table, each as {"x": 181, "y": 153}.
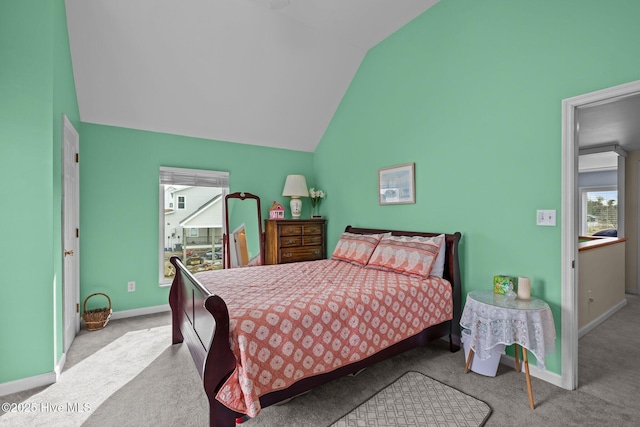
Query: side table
{"x": 494, "y": 319}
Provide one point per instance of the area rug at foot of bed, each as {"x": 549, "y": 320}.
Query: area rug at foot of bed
{"x": 414, "y": 399}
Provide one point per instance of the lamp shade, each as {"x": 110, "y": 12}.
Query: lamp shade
{"x": 295, "y": 186}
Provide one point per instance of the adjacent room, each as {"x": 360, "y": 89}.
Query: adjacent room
{"x": 150, "y": 148}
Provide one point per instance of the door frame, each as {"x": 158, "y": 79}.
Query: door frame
{"x": 570, "y": 224}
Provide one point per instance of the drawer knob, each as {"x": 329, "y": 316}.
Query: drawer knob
{"x": 291, "y": 230}
{"x": 287, "y": 255}
{"x": 316, "y": 252}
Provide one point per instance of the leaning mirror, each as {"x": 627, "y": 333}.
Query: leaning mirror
{"x": 243, "y": 239}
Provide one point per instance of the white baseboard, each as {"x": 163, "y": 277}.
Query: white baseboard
{"x": 140, "y": 311}
{"x": 510, "y": 361}
{"x": 27, "y": 383}
{"x": 58, "y": 368}
{"x": 33, "y": 382}
{"x": 597, "y": 321}
{"x": 547, "y": 376}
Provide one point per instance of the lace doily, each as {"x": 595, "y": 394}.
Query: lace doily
{"x": 493, "y": 319}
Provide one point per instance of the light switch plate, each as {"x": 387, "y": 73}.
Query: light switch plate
{"x": 546, "y": 218}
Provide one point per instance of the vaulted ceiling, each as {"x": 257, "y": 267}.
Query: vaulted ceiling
{"x": 262, "y": 72}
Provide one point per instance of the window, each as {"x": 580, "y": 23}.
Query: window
{"x": 194, "y": 230}
{"x": 599, "y": 209}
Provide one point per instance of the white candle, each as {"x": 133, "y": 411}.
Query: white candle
{"x": 524, "y": 288}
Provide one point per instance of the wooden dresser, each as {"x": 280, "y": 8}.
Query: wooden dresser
{"x": 292, "y": 240}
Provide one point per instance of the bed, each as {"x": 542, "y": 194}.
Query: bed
{"x": 328, "y": 319}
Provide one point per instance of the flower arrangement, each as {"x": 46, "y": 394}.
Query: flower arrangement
{"x": 316, "y": 197}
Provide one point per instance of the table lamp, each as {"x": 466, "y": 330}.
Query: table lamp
{"x": 295, "y": 187}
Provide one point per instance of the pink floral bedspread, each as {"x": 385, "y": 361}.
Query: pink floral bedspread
{"x": 297, "y": 320}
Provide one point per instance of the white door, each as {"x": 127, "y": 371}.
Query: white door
{"x": 70, "y": 232}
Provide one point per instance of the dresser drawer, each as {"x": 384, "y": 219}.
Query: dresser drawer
{"x": 290, "y": 230}
{"x": 289, "y": 241}
{"x": 311, "y": 229}
{"x": 308, "y": 253}
{"x": 311, "y": 240}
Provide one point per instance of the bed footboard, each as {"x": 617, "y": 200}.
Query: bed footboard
{"x": 200, "y": 319}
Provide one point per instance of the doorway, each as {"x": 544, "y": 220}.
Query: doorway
{"x": 239, "y": 250}
{"x": 570, "y": 223}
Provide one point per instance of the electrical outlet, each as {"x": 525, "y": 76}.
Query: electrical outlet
{"x": 131, "y": 286}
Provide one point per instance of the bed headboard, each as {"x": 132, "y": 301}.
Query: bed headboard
{"x": 451, "y": 263}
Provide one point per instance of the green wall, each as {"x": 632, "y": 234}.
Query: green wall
{"x": 471, "y": 92}
{"x": 26, "y": 90}
{"x": 119, "y": 201}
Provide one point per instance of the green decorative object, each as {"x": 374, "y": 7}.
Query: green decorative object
{"x": 503, "y": 284}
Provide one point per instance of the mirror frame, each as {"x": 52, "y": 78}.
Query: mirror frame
{"x": 225, "y": 236}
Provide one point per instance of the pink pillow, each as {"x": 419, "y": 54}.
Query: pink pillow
{"x": 356, "y": 248}
{"x": 408, "y": 255}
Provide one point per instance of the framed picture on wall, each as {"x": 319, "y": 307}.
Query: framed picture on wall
{"x": 396, "y": 185}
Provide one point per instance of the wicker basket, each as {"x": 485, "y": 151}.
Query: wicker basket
{"x": 99, "y": 317}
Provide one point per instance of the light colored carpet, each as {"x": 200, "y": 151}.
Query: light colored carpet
{"x": 414, "y": 399}
{"x": 85, "y": 386}
{"x": 169, "y": 391}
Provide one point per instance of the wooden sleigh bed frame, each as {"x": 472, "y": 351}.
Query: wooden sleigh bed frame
{"x": 201, "y": 320}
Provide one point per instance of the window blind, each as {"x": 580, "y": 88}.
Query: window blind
{"x": 193, "y": 177}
